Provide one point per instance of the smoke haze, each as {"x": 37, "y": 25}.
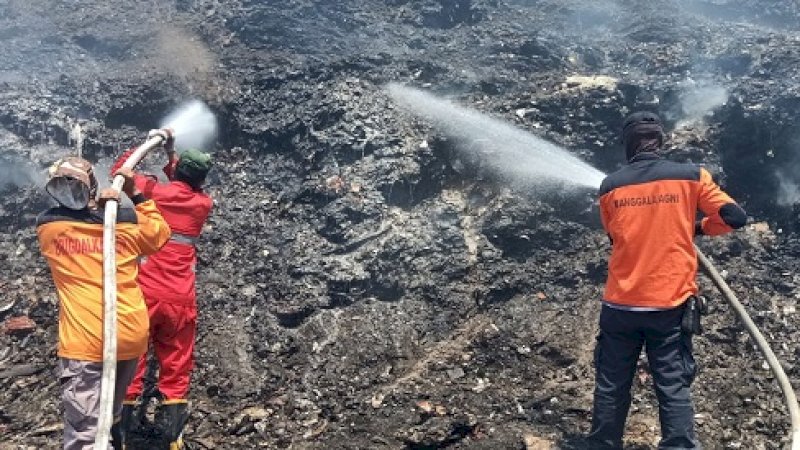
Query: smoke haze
{"x": 18, "y": 173}
{"x": 699, "y": 99}
{"x": 788, "y": 190}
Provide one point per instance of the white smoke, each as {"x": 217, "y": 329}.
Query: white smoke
{"x": 699, "y": 99}
{"x": 18, "y": 174}
{"x": 595, "y": 19}
{"x": 788, "y": 190}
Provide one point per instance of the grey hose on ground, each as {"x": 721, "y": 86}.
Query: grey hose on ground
{"x": 761, "y": 342}
{"x": 106, "y": 416}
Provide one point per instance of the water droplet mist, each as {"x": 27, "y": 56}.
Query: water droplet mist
{"x": 511, "y": 152}
{"x": 194, "y": 124}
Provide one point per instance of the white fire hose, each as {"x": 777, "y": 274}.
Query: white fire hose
{"x": 761, "y": 342}
{"x": 106, "y": 417}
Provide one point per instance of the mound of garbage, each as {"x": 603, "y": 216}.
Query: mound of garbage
{"x": 364, "y": 284}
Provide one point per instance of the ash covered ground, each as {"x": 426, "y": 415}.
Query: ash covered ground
{"x": 361, "y": 283}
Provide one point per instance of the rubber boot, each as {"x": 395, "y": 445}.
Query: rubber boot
{"x": 117, "y": 436}
{"x": 131, "y": 420}
{"x": 171, "y": 418}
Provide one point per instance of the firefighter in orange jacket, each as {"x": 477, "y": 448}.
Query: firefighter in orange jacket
{"x": 648, "y": 208}
{"x": 71, "y": 239}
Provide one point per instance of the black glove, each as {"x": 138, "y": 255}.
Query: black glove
{"x": 698, "y": 227}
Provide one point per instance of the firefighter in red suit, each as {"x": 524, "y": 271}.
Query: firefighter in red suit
{"x": 167, "y": 280}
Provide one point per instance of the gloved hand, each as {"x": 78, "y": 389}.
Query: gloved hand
{"x": 129, "y": 188}
{"x": 106, "y": 195}
{"x": 168, "y": 136}
{"x": 698, "y": 227}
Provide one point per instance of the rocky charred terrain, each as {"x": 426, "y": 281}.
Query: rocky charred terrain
{"x": 357, "y": 287}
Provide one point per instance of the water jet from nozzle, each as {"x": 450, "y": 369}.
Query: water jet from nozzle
{"x": 511, "y": 152}
{"x": 194, "y": 124}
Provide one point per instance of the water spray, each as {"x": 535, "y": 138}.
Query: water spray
{"x": 76, "y": 135}
{"x": 196, "y": 124}
{"x": 508, "y": 150}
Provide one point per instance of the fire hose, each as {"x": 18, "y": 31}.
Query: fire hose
{"x": 761, "y": 342}
{"x": 108, "y": 380}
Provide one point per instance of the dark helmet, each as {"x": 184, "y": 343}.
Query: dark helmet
{"x": 642, "y": 132}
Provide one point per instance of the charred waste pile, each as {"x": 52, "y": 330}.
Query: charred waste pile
{"x": 366, "y": 283}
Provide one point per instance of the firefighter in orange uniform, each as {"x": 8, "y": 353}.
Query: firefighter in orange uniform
{"x": 649, "y": 208}
{"x": 71, "y": 239}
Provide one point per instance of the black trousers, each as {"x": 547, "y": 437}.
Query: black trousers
{"x": 669, "y": 354}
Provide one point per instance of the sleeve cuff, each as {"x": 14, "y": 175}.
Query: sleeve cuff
{"x": 138, "y": 198}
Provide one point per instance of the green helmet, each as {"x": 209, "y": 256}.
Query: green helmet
{"x": 193, "y": 166}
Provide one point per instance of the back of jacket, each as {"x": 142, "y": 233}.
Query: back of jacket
{"x": 169, "y": 275}
{"x": 72, "y": 243}
{"x": 648, "y": 209}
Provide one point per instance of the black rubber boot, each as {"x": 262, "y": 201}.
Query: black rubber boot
{"x": 131, "y": 419}
{"x": 171, "y": 418}
{"x": 117, "y": 436}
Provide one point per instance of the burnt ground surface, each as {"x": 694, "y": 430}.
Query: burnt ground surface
{"x": 357, "y": 287}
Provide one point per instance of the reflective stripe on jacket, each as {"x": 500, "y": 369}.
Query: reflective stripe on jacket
{"x": 648, "y": 209}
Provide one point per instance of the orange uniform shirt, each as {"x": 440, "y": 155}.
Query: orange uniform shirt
{"x": 648, "y": 209}
{"x": 72, "y": 243}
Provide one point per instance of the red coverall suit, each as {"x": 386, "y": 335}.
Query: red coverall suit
{"x": 167, "y": 280}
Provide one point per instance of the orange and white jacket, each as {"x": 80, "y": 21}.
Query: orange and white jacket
{"x": 72, "y": 243}
{"x": 649, "y": 210}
